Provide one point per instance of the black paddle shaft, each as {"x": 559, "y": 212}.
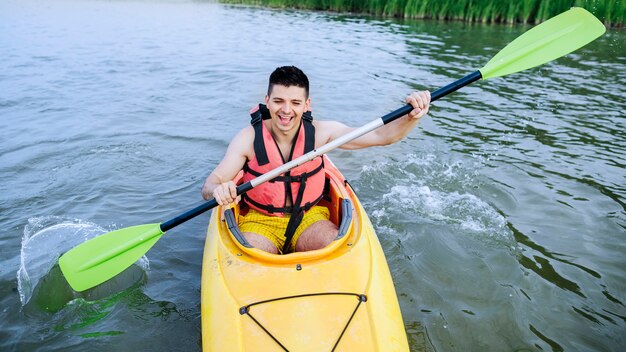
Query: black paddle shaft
{"x": 439, "y": 93}
{"x": 394, "y": 115}
{"x": 243, "y": 188}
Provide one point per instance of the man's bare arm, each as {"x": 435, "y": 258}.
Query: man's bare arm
{"x": 384, "y": 135}
{"x": 219, "y": 183}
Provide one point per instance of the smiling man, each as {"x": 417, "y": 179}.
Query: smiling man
{"x": 281, "y": 215}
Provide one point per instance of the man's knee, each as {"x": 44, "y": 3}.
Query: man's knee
{"x": 319, "y": 235}
{"x": 260, "y": 242}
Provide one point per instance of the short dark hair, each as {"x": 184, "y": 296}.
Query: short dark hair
{"x": 288, "y": 76}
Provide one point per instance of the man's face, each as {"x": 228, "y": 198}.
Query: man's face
{"x": 286, "y": 106}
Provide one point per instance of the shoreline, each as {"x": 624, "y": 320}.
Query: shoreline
{"x": 611, "y": 12}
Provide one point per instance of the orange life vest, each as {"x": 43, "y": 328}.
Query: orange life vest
{"x": 302, "y": 185}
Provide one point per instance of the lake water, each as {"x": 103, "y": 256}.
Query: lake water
{"x": 502, "y": 214}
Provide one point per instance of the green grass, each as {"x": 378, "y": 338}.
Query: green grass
{"x": 611, "y": 12}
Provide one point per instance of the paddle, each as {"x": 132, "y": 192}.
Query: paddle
{"x": 103, "y": 257}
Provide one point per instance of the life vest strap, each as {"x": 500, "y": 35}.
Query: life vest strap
{"x": 259, "y": 144}
{"x": 296, "y": 215}
{"x": 294, "y": 221}
{"x": 309, "y": 132}
{"x": 285, "y": 178}
{"x": 285, "y": 210}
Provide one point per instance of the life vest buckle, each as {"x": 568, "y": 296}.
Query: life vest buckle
{"x": 256, "y": 117}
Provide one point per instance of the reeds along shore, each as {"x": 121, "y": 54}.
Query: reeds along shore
{"x": 611, "y": 12}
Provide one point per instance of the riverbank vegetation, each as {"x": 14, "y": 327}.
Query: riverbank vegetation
{"x": 611, "y": 12}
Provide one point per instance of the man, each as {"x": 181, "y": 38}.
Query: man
{"x": 282, "y": 215}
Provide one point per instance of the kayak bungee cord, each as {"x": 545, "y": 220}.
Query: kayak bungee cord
{"x": 361, "y": 299}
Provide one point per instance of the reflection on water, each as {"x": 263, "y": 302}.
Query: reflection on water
{"x": 52, "y": 293}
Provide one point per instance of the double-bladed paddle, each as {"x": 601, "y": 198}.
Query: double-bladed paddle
{"x": 99, "y": 259}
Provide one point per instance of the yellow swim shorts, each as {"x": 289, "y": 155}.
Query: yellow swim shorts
{"x": 273, "y": 227}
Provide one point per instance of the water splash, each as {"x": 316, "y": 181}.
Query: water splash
{"x": 44, "y": 240}
{"x": 428, "y": 189}
{"x": 464, "y": 211}
{"x": 424, "y": 170}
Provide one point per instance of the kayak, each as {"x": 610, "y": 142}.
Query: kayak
{"x": 339, "y": 298}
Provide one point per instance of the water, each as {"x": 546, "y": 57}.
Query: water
{"x": 502, "y": 215}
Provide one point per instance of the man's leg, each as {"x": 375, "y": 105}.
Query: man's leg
{"x": 319, "y": 235}
{"x": 260, "y": 242}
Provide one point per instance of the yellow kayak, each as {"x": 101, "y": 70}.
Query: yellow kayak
{"x": 340, "y": 298}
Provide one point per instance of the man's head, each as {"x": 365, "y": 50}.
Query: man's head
{"x": 288, "y": 76}
{"x": 287, "y": 99}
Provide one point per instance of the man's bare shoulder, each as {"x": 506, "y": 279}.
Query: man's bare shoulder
{"x": 325, "y": 126}
{"x": 327, "y": 130}
{"x": 246, "y": 133}
{"x": 243, "y": 141}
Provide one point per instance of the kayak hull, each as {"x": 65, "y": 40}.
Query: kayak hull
{"x": 340, "y": 298}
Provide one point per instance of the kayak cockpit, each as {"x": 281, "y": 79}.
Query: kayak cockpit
{"x": 341, "y": 209}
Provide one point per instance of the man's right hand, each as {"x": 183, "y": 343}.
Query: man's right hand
{"x": 226, "y": 193}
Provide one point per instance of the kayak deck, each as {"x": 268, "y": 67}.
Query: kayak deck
{"x": 339, "y": 298}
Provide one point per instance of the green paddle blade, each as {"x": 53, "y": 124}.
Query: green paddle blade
{"x": 550, "y": 40}
{"x": 105, "y": 256}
